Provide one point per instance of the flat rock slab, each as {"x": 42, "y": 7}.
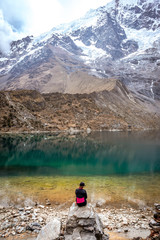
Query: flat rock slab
{"x": 81, "y": 212}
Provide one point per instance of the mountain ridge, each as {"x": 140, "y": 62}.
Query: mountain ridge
{"x": 102, "y": 47}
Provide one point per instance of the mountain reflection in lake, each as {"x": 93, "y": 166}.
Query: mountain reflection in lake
{"x": 100, "y": 153}
{"x": 112, "y": 162}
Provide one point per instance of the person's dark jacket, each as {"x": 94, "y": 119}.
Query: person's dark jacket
{"x": 81, "y": 193}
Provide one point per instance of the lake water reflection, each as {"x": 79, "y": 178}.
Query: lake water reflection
{"x": 118, "y": 167}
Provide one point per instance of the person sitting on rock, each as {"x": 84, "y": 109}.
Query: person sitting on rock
{"x": 81, "y": 195}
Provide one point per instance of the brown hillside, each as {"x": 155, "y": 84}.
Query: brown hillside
{"x": 115, "y": 109}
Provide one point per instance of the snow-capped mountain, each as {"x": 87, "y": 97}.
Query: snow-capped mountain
{"x": 120, "y": 40}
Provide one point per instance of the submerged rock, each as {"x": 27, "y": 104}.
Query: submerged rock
{"x": 84, "y": 224}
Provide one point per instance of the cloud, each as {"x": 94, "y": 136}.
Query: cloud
{"x": 45, "y": 14}
{"x": 6, "y": 35}
{"x": 14, "y": 21}
{"x": 19, "y": 18}
{"x": 33, "y": 17}
{"x": 16, "y": 13}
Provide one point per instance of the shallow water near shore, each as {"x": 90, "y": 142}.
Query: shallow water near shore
{"x": 120, "y": 169}
{"x": 138, "y": 191}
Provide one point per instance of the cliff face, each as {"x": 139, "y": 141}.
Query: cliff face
{"x": 115, "y": 109}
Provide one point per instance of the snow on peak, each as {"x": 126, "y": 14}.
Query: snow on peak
{"x": 89, "y": 19}
{"x": 132, "y": 2}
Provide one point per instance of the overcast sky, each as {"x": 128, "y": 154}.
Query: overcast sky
{"x": 33, "y": 17}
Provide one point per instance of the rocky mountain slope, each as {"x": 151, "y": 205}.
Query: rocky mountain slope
{"x": 118, "y": 41}
{"x": 112, "y": 109}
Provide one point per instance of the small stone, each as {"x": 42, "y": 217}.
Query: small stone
{"x": 125, "y": 223}
{"x": 48, "y": 202}
{"x": 20, "y": 229}
{"x": 89, "y": 130}
{"x": 29, "y": 228}
{"x": 143, "y": 226}
{"x": 23, "y": 224}
{"x": 36, "y": 211}
{"x": 13, "y": 233}
{"x": 40, "y": 219}
{"x": 137, "y": 238}
{"x": 15, "y": 220}
{"x": 21, "y": 209}
{"x": 6, "y": 235}
{"x": 27, "y": 212}
{"x": 41, "y": 206}
{"x": 110, "y": 228}
{"x": 119, "y": 225}
{"x": 35, "y": 224}
{"x": 28, "y": 208}
{"x": 100, "y": 203}
{"x": 24, "y": 218}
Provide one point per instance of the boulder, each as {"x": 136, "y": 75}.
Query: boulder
{"x": 84, "y": 224}
{"x": 51, "y": 231}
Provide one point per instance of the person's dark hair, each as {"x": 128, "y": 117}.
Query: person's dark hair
{"x": 82, "y": 184}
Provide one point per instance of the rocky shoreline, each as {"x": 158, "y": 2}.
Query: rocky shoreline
{"x": 17, "y": 221}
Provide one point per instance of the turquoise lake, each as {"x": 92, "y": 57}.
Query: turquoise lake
{"x": 120, "y": 168}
